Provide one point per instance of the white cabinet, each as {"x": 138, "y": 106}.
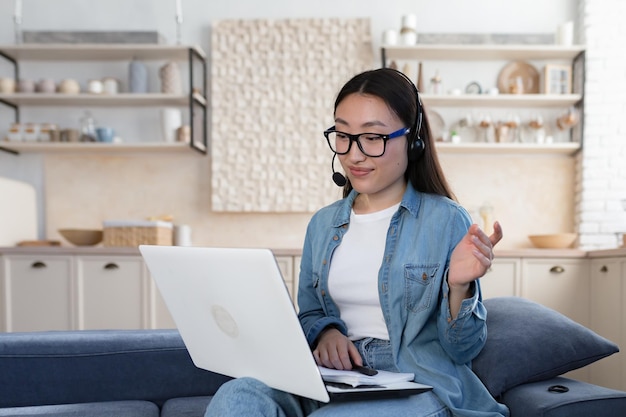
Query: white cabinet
{"x": 560, "y": 284}
{"x": 38, "y": 293}
{"x": 193, "y": 99}
{"x": 87, "y": 292}
{"x": 502, "y": 278}
{"x": 608, "y": 318}
{"x": 112, "y": 292}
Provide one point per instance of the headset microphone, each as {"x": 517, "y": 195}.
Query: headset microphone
{"x": 338, "y": 177}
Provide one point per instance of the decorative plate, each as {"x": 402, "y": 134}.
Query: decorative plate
{"x": 508, "y": 82}
{"x": 437, "y": 125}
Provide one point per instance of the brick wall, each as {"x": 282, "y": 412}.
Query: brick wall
{"x": 601, "y": 179}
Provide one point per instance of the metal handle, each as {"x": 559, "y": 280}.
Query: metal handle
{"x": 111, "y": 266}
{"x": 604, "y": 269}
{"x": 38, "y": 265}
{"x": 557, "y": 269}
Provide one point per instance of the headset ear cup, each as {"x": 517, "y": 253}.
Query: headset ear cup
{"x": 416, "y": 149}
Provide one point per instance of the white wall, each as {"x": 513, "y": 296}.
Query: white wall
{"x": 284, "y": 230}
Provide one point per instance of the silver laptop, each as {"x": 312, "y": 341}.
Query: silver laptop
{"x": 236, "y": 318}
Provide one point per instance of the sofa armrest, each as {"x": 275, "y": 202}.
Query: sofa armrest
{"x": 57, "y": 367}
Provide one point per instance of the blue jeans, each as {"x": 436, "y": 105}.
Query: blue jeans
{"x": 250, "y": 397}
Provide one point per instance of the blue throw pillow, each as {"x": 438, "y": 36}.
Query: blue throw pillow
{"x": 528, "y": 342}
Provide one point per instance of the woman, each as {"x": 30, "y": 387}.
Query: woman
{"x": 389, "y": 273}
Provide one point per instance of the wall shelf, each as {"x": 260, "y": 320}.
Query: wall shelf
{"x": 567, "y": 148}
{"x": 480, "y": 52}
{"x": 195, "y": 100}
{"x": 93, "y": 148}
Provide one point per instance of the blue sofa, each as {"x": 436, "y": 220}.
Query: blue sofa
{"x": 146, "y": 373}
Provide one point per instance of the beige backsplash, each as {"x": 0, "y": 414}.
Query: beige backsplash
{"x": 529, "y": 194}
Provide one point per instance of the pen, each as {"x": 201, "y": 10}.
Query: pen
{"x": 364, "y": 370}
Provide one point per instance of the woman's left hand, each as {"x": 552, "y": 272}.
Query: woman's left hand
{"x": 472, "y": 256}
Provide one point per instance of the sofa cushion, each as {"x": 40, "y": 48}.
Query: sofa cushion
{"x": 185, "y": 407}
{"x": 66, "y": 367}
{"x": 580, "y": 399}
{"x": 529, "y": 342}
{"x": 101, "y": 409}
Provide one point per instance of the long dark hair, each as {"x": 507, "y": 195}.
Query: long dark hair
{"x": 401, "y": 95}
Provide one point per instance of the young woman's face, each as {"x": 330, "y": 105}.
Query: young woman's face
{"x": 380, "y": 177}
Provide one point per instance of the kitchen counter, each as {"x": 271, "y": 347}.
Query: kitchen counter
{"x": 99, "y": 250}
{"x": 505, "y": 253}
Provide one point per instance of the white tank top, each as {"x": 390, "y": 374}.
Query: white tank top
{"x": 353, "y": 275}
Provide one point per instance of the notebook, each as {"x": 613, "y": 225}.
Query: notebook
{"x": 236, "y": 318}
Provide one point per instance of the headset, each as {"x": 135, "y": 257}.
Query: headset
{"x": 416, "y": 146}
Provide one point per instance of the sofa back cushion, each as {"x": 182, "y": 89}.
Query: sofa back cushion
{"x": 60, "y": 367}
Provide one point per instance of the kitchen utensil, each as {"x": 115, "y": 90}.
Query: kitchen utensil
{"x": 82, "y": 237}
{"x": 518, "y": 75}
{"x": 105, "y": 134}
{"x": 69, "y": 86}
{"x": 553, "y": 241}
{"x": 110, "y": 85}
{"x": 7, "y": 85}
{"x": 26, "y": 86}
{"x": 171, "y": 120}
{"x": 18, "y": 212}
{"x": 46, "y": 85}
{"x": 95, "y": 87}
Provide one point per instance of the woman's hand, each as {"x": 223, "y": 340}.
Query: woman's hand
{"x": 470, "y": 260}
{"x": 472, "y": 256}
{"x": 336, "y": 351}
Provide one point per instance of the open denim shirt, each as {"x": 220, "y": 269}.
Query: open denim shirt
{"x": 413, "y": 291}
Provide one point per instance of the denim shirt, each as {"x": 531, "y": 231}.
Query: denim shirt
{"x": 413, "y": 291}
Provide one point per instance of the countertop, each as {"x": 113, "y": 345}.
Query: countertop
{"x": 120, "y": 251}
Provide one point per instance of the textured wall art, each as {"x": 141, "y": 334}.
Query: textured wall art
{"x": 273, "y": 86}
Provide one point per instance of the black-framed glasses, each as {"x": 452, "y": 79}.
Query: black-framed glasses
{"x": 370, "y": 144}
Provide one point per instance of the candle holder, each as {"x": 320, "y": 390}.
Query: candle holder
{"x": 17, "y": 28}
{"x": 179, "y": 23}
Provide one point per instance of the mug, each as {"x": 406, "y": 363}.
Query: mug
{"x": 110, "y": 85}
{"x": 26, "y": 86}
{"x": 46, "y": 85}
{"x": 105, "y": 134}
{"x": 95, "y": 86}
{"x": 7, "y": 85}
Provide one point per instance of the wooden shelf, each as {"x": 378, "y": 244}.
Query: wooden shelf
{"x": 502, "y": 100}
{"x": 95, "y": 148}
{"x": 98, "y": 52}
{"x": 85, "y": 99}
{"x": 569, "y": 148}
{"x": 481, "y": 52}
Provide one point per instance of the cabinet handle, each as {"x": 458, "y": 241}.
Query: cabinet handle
{"x": 111, "y": 266}
{"x": 604, "y": 269}
{"x": 38, "y": 265}
{"x": 557, "y": 269}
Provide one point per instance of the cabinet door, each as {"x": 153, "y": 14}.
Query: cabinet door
{"x": 560, "y": 284}
{"x": 607, "y": 319}
{"x": 37, "y": 293}
{"x": 111, "y": 293}
{"x": 160, "y": 317}
{"x": 285, "y": 263}
{"x": 501, "y": 279}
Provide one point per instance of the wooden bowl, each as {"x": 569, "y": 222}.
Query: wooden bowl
{"x": 82, "y": 237}
{"x": 554, "y": 241}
